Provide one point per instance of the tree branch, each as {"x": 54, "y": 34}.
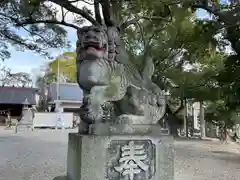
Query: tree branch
{"x": 107, "y": 14}
{"x": 3, "y": 1}
{"x": 221, "y": 14}
{"x": 179, "y": 108}
{"x": 9, "y": 17}
{"x": 74, "y": 1}
{"x": 136, "y": 19}
{"x": 97, "y": 11}
{"x": 63, "y": 14}
{"x": 87, "y": 2}
{"x": 36, "y": 35}
{"x": 154, "y": 18}
{"x": 130, "y": 22}
{"x": 208, "y": 9}
{"x": 19, "y": 42}
{"x": 30, "y": 21}
{"x": 68, "y": 6}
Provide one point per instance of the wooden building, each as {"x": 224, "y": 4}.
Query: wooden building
{"x": 70, "y": 96}
{"x": 13, "y": 98}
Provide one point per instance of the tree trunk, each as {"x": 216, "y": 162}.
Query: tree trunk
{"x": 185, "y": 124}
{"x": 173, "y": 126}
{"x": 192, "y": 119}
{"x": 172, "y": 120}
{"x": 202, "y": 121}
{"x": 225, "y": 133}
{"x": 227, "y": 137}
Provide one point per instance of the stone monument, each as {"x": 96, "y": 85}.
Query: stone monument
{"x": 26, "y": 119}
{"x": 130, "y": 145}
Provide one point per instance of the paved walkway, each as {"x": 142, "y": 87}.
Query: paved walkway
{"x": 41, "y": 155}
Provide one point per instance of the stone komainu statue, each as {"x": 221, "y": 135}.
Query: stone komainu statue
{"x": 106, "y": 74}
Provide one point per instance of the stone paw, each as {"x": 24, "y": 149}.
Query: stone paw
{"x": 83, "y": 128}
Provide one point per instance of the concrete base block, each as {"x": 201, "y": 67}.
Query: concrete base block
{"x": 60, "y": 178}
{"x": 120, "y": 157}
{"x": 23, "y": 126}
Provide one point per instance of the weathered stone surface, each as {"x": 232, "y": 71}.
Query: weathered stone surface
{"x": 106, "y": 74}
{"x": 26, "y": 120}
{"x": 128, "y": 146}
{"x": 127, "y": 129}
{"x": 60, "y": 178}
{"x": 120, "y": 157}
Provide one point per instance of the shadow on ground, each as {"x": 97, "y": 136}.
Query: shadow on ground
{"x": 190, "y": 139}
{"x": 12, "y": 139}
{"x": 60, "y": 178}
{"x": 223, "y": 152}
{"x": 227, "y": 156}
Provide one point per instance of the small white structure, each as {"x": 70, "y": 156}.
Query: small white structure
{"x": 196, "y": 114}
{"x": 49, "y": 119}
{"x": 70, "y": 96}
{"x": 64, "y": 101}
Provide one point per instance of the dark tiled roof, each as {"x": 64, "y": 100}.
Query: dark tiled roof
{"x": 67, "y": 91}
{"x": 17, "y": 95}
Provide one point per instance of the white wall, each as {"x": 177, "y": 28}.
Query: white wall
{"x": 71, "y": 105}
{"x": 49, "y": 119}
{"x": 196, "y": 113}
{"x": 37, "y": 98}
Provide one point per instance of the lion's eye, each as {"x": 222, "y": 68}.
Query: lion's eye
{"x": 97, "y": 30}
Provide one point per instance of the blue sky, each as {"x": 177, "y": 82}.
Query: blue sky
{"x": 30, "y": 62}
{"x": 27, "y": 60}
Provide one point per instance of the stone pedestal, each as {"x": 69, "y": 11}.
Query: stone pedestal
{"x": 26, "y": 120}
{"x": 120, "y": 157}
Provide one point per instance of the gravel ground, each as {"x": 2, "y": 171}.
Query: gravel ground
{"x": 41, "y": 155}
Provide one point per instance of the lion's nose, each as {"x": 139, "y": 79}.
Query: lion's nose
{"x": 91, "y": 34}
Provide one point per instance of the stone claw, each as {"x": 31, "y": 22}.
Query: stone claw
{"x": 86, "y": 115}
{"x": 83, "y": 128}
{"x": 89, "y": 112}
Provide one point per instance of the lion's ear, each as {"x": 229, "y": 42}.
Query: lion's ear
{"x": 80, "y": 31}
{"x": 148, "y": 68}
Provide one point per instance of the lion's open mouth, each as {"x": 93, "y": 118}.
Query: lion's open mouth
{"x": 95, "y": 45}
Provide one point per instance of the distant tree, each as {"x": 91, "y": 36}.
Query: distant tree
{"x": 67, "y": 67}
{"x": 20, "y": 79}
{"x": 226, "y": 17}
{"x": 42, "y": 21}
{"x": 28, "y": 17}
